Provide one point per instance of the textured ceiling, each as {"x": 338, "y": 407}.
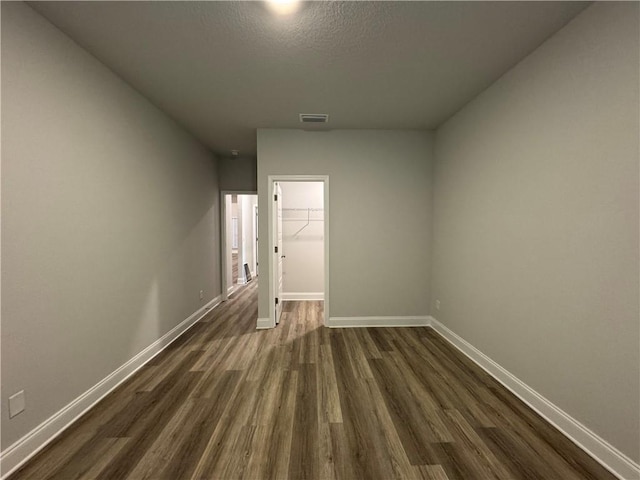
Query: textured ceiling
{"x": 223, "y": 69}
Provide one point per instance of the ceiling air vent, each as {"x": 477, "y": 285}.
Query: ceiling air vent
{"x": 314, "y": 118}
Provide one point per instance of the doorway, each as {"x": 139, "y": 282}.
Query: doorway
{"x": 298, "y": 220}
{"x": 239, "y": 240}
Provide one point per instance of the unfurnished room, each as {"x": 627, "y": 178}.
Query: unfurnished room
{"x": 330, "y": 240}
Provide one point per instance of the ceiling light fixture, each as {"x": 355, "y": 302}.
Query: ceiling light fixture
{"x": 283, "y": 7}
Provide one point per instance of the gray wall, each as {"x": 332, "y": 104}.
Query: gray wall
{"x": 238, "y": 174}
{"x": 110, "y": 220}
{"x": 380, "y": 214}
{"x": 536, "y": 222}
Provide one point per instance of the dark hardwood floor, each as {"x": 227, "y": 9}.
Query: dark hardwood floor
{"x": 302, "y": 401}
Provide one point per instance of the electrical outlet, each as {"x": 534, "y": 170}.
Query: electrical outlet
{"x": 437, "y": 304}
{"x": 16, "y": 404}
{"x": 201, "y": 294}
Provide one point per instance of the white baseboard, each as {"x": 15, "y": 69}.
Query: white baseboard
{"x": 349, "y": 322}
{"x": 17, "y": 454}
{"x": 230, "y": 289}
{"x": 598, "y": 448}
{"x": 264, "y": 323}
{"x": 302, "y": 296}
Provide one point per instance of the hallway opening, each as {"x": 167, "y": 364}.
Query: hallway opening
{"x": 239, "y": 240}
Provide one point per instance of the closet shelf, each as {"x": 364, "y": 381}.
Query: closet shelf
{"x": 302, "y": 218}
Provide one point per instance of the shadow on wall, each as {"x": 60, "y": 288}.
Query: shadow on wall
{"x": 160, "y": 311}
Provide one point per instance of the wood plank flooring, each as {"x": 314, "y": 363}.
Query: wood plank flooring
{"x": 306, "y": 402}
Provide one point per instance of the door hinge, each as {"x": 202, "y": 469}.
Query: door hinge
{"x": 276, "y": 300}
{"x": 275, "y": 198}
{"x": 276, "y": 250}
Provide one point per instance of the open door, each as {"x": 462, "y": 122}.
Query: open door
{"x": 275, "y": 250}
{"x": 278, "y": 254}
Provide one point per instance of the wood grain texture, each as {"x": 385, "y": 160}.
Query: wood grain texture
{"x": 301, "y": 401}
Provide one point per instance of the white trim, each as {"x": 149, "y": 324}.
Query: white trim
{"x": 301, "y": 296}
{"x": 230, "y": 290}
{"x": 17, "y": 454}
{"x": 327, "y": 274}
{"x": 265, "y": 323}
{"x": 223, "y": 237}
{"x": 223, "y": 247}
{"x": 604, "y": 453}
{"x": 254, "y": 238}
{"x": 348, "y": 322}
{"x": 270, "y": 263}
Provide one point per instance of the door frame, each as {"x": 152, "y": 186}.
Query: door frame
{"x": 324, "y": 179}
{"x": 278, "y": 275}
{"x": 255, "y": 239}
{"x": 223, "y": 238}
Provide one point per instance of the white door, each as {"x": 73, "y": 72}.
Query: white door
{"x": 278, "y": 254}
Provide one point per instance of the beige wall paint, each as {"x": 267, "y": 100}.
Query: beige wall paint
{"x": 371, "y": 173}
{"x": 110, "y": 220}
{"x": 535, "y": 252}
